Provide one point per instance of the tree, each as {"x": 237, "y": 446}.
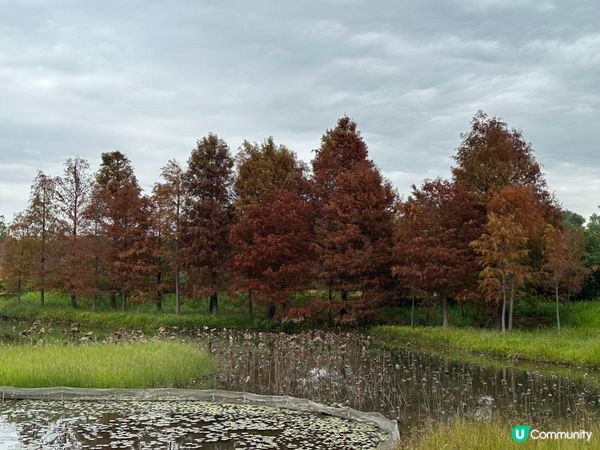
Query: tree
{"x": 41, "y": 215}
{"x": 492, "y": 156}
{"x": 169, "y": 199}
{"x": 432, "y": 252}
{"x": 19, "y": 252}
{"x": 354, "y": 233}
{"x": 3, "y": 229}
{"x": 576, "y": 255}
{"x": 124, "y": 214}
{"x": 521, "y": 203}
{"x": 592, "y": 259}
{"x": 502, "y": 250}
{"x": 73, "y": 193}
{"x": 556, "y": 263}
{"x": 208, "y": 217}
{"x": 262, "y": 169}
{"x": 273, "y": 248}
{"x": 3, "y": 235}
{"x": 341, "y": 148}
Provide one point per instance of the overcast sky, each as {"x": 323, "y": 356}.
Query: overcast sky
{"x": 150, "y": 77}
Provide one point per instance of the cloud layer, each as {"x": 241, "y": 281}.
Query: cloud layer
{"x": 149, "y": 78}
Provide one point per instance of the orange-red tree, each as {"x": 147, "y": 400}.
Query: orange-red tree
{"x": 262, "y": 170}
{"x": 18, "y": 256}
{"x": 564, "y": 250}
{"x": 342, "y": 207}
{"x": 492, "y": 156}
{"x": 124, "y": 216}
{"x": 354, "y": 233}
{"x": 208, "y": 218}
{"x": 432, "y": 251}
{"x": 273, "y": 241}
{"x": 168, "y": 200}
{"x": 41, "y": 216}
{"x": 502, "y": 250}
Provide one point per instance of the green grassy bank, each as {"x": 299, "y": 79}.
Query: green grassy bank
{"x": 579, "y": 346}
{"x": 496, "y": 435}
{"x": 141, "y": 316}
{"x": 127, "y": 365}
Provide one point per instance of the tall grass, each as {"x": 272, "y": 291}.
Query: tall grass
{"x": 573, "y": 346}
{"x": 114, "y": 365}
{"x": 496, "y": 435}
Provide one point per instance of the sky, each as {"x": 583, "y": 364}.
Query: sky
{"x": 149, "y": 78}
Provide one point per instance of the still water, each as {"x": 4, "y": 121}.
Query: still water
{"x": 405, "y": 385}
{"x": 335, "y": 368}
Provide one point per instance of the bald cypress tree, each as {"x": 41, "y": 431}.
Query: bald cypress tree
{"x": 354, "y": 214}
{"x": 208, "y": 216}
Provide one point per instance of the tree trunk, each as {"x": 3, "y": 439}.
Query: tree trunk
{"x": 42, "y": 296}
{"x": 213, "y": 303}
{"x": 569, "y": 308}
{"x": 177, "y": 298}
{"x": 250, "y": 312}
{"x": 158, "y": 292}
{"x": 503, "y": 306}
{"x": 330, "y": 295}
{"x": 444, "y": 312}
{"x": 124, "y": 295}
{"x": 510, "y": 306}
{"x": 412, "y": 313}
{"x": 74, "y": 300}
{"x": 158, "y": 301}
{"x": 19, "y": 289}
{"x": 344, "y": 294}
{"x": 113, "y": 300}
{"x": 557, "y": 307}
{"x": 94, "y": 302}
{"x": 271, "y": 312}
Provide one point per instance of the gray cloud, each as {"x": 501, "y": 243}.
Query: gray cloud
{"x": 149, "y": 78}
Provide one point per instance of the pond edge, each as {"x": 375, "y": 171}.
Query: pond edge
{"x": 213, "y": 395}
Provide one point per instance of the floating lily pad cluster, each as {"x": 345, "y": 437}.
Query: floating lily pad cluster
{"x": 175, "y": 425}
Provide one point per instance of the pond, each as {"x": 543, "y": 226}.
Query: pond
{"x": 342, "y": 369}
{"x": 408, "y": 386}
{"x": 174, "y": 425}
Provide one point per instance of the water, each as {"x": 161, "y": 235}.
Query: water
{"x": 345, "y": 368}
{"x": 410, "y": 387}
{"x": 173, "y": 425}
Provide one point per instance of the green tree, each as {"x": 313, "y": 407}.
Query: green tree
{"x": 262, "y": 169}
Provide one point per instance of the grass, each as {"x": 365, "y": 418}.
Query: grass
{"x": 194, "y": 314}
{"x": 127, "y": 365}
{"x": 575, "y": 346}
{"x": 495, "y": 435}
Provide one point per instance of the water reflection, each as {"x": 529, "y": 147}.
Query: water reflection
{"x": 349, "y": 369}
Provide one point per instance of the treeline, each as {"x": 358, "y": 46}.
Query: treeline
{"x": 262, "y": 225}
